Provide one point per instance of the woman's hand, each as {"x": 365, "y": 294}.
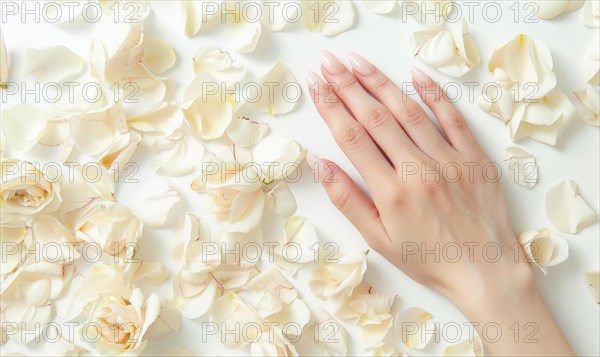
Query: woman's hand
{"x": 436, "y": 208}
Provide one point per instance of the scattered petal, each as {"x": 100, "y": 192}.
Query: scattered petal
{"x": 53, "y": 64}
{"x": 566, "y": 209}
{"x": 591, "y": 61}
{"x": 467, "y": 348}
{"x": 279, "y": 91}
{"x": 589, "y": 105}
{"x": 280, "y": 200}
{"x": 543, "y": 248}
{"x": 338, "y": 277}
{"x": 279, "y": 158}
{"x": 415, "y": 326}
{"x": 327, "y": 17}
{"x": 552, "y": 8}
{"x": 381, "y": 6}
{"x": 159, "y": 56}
{"x": 591, "y": 14}
{"x": 522, "y": 166}
{"x": 181, "y": 160}
{"x": 453, "y": 51}
{"x": 155, "y": 201}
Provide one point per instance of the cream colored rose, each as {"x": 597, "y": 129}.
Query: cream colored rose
{"x": 117, "y": 324}
{"x": 113, "y": 228}
{"x": 26, "y": 189}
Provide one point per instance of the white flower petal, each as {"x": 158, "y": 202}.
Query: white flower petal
{"x": 167, "y": 322}
{"x": 543, "y": 248}
{"x": 327, "y": 17}
{"x": 280, "y": 200}
{"x": 182, "y": 160}
{"x": 4, "y": 64}
{"x": 591, "y": 61}
{"x": 211, "y": 60}
{"x": 155, "y": 201}
{"x": 452, "y": 51}
{"x": 591, "y": 14}
{"x": 329, "y": 334}
{"x": 383, "y": 350}
{"x": 208, "y": 114}
{"x": 552, "y": 8}
{"x": 245, "y": 132}
{"x": 53, "y": 64}
{"x": 244, "y": 34}
{"x": 415, "y": 326}
{"x": 543, "y": 120}
{"x": 159, "y": 56}
{"x": 196, "y": 14}
{"x": 525, "y": 66}
{"x": 592, "y": 280}
{"x": 198, "y": 305}
{"x": 275, "y": 16}
{"x": 152, "y": 272}
{"x": 566, "y": 209}
{"x": 467, "y": 348}
{"x": 522, "y": 166}
{"x": 589, "y": 105}
{"x": 279, "y": 157}
{"x": 23, "y": 125}
{"x": 279, "y": 91}
{"x": 428, "y": 12}
{"x": 380, "y": 6}
{"x": 338, "y": 277}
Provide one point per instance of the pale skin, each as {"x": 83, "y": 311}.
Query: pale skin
{"x": 387, "y": 135}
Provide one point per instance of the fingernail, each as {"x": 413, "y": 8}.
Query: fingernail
{"x": 361, "y": 65}
{"x": 330, "y": 62}
{"x": 420, "y": 77}
{"x": 312, "y": 78}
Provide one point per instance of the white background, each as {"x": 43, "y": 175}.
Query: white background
{"x": 385, "y": 41}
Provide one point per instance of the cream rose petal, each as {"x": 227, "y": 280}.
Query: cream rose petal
{"x": 591, "y": 61}
{"x": 328, "y": 334}
{"x": 245, "y": 29}
{"x": 276, "y": 15}
{"x": 245, "y": 132}
{"x": 552, "y": 8}
{"x": 592, "y": 280}
{"x": 4, "y": 64}
{"x": 543, "y": 120}
{"x": 522, "y": 166}
{"x": 327, "y": 17}
{"x": 280, "y": 200}
{"x": 298, "y": 245}
{"x": 415, "y": 326}
{"x": 279, "y": 91}
{"x": 380, "y": 6}
{"x": 338, "y": 277}
{"x": 23, "y": 125}
{"x": 524, "y": 65}
{"x": 53, "y": 64}
{"x": 279, "y": 157}
{"x": 167, "y": 322}
{"x": 591, "y": 13}
{"x": 196, "y": 14}
{"x": 212, "y": 60}
{"x": 383, "y": 350}
{"x": 155, "y": 201}
{"x": 206, "y": 108}
{"x": 181, "y": 160}
{"x": 453, "y": 52}
{"x": 428, "y": 12}
{"x": 159, "y": 56}
{"x": 566, "y": 209}
{"x": 589, "y": 105}
{"x": 543, "y": 248}
{"x": 467, "y": 348}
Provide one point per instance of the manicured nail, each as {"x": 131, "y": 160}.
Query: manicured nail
{"x": 420, "y": 77}
{"x": 312, "y": 78}
{"x": 331, "y": 63}
{"x": 361, "y": 65}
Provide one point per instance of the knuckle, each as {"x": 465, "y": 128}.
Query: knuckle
{"x": 457, "y": 121}
{"x": 343, "y": 201}
{"x": 380, "y": 84}
{"x": 346, "y": 83}
{"x": 377, "y": 117}
{"x": 352, "y": 136}
{"x": 412, "y": 114}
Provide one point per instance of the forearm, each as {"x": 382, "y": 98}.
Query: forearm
{"x": 518, "y": 324}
